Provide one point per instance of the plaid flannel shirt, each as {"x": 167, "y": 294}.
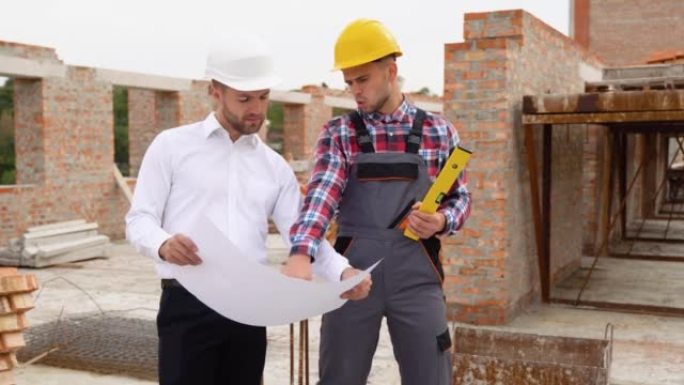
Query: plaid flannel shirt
{"x": 336, "y": 150}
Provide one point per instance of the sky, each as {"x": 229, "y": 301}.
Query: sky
{"x": 173, "y": 37}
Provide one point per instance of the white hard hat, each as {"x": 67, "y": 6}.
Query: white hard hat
{"x": 244, "y": 63}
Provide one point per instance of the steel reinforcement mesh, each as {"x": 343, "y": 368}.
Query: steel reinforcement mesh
{"x": 100, "y": 343}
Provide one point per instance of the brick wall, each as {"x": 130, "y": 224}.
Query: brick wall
{"x": 630, "y": 32}
{"x": 492, "y": 265}
{"x": 194, "y": 104}
{"x": 64, "y": 136}
{"x": 142, "y": 125}
{"x": 302, "y": 124}
{"x": 64, "y": 142}
{"x": 28, "y": 131}
{"x": 294, "y": 137}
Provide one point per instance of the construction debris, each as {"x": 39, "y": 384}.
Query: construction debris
{"x": 15, "y": 301}
{"x": 490, "y": 357}
{"x": 56, "y": 243}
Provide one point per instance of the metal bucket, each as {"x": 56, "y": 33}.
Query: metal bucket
{"x": 489, "y": 357}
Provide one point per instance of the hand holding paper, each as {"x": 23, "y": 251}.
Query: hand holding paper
{"x": 251, "y": 293}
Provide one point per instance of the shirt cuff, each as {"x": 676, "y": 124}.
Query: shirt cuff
{"x": 332, "y": 272}
{"x": 306, "y": 249}
{"x": 449, "y": 223}
{"x": 156, "y": 240}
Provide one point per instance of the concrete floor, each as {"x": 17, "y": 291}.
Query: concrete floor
{"x": 648, "y": 349}
{"x": 627, "y": 281}
{"x": 649, "y": 250}
{"x": 672, "y": 230}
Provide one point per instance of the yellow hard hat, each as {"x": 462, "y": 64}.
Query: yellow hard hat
{"x": 363, "y": 41}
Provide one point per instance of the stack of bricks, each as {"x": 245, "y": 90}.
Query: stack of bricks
{"x": 15, "y": 301}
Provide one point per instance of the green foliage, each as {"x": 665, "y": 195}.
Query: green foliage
{"x": 275, "y": 116}
{"x": 121, "y": 157}
{"x": 338, "y": 111}
{"x": 425, "y": 91}
{"x": 6, "y": 98}
{"x": 7, "y": 151}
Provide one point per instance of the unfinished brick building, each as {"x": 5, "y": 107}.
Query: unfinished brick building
{"x": 523, "y": 238}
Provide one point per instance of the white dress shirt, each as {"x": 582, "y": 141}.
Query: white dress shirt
{"x": 196, "y": 170}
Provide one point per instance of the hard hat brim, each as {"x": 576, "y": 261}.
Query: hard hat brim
{"x": 262, "y": 83}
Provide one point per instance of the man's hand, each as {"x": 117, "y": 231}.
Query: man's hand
{"x": 425, "y": 225}
{"x": 359, "y": 291}
{"x": 298, "y": 266}
{"x": 179, "y": 250}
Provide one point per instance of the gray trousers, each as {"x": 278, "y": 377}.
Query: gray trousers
{"x": 407, "y": 291}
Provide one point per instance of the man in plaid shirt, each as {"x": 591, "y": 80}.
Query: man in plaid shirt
{"x": 372, "y": 167}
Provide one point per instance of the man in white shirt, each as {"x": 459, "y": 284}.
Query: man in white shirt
{"x": 218, "y": 168}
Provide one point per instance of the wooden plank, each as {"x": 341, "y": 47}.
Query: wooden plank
{"x": 12, "y": 341}
{"x": 605, "y": 117}
{"x": 122, "y": 183}
{"x": 12, "y": 323}
{"x": 606, "y": 189}
{"x": 8, "y": 271}
{"x": 534, "y": 192}
{"x": 621, "y": 145}
{"x": 5, "y": 305}
{"x": 618, "y": 101}
{"x": 21, "y": 302}
{"x": 7, "y": 377}
{"x": 546, "y": 211}
{"x": 8, "y": 361}
{"x": 18, "y": 284}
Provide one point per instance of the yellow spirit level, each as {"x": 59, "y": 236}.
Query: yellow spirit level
{"x": 440, "y": 187}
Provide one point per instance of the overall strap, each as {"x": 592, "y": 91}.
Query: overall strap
{"x": 415, "y": 137}
{"x": 362, "y": 136}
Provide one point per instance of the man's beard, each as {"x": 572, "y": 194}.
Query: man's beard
{"x": 381, "y": 102}
{"x": 239, "y": 125}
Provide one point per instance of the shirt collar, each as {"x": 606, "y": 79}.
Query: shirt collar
{"x": 210, "y": 125}
{"x": 400, "y": 115}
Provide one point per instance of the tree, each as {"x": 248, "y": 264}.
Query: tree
{"x": 121, "y": 157}
{"x": 7, "y": 151}
{"x": 424, "y": 91}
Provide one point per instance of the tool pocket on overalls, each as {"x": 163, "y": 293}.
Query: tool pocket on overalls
{"x": 444, "y": 341}
{"x": 342, "y": 244}
{"x": 431, "y": 248}
{"x": 369, "y": 172}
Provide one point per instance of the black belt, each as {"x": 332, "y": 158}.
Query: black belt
{"x": 167, "y": 283}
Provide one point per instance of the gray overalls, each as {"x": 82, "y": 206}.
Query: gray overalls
{"x": 407, "y": 285}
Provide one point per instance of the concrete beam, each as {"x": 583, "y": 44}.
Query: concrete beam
{"x": 146, "y": 81}
{"x": 430, "y": 106}
{"x": 290, "y": 97}
{"x": 340, "y": 102}
{"x": 28, "y": 68}
{"x": 643, "y": 71}
{"x": 350, "y": 104}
